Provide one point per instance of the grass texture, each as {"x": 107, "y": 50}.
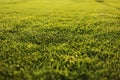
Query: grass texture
{"x": 59, "y": 39}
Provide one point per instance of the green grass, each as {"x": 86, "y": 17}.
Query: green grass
{"x": 59, "y": 40}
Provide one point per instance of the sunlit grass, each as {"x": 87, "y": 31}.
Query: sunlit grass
{"x": 59, "y": 40}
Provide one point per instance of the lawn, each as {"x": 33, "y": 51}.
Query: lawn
{"x": 59, "y": 40}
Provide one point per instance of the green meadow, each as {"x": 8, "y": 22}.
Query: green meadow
{"x": 59, "y": 39}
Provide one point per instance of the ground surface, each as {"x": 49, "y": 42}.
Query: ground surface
{"x": 59, "y": 40}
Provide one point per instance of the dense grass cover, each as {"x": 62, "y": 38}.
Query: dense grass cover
{"x": 59, "y": 40}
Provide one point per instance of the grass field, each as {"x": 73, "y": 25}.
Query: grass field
{"x": 59, "y": 40}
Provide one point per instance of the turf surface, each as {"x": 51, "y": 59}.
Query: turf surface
{"x": 59, "y": 39}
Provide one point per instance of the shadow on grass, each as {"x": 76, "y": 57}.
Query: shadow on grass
{"x": 109, "y": 5}
{"x": 100, "y": 1}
